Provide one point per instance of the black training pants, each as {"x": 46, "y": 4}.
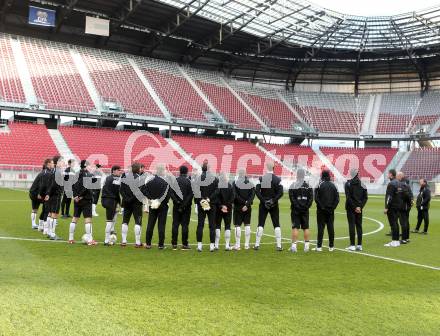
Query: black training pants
{"x": 65, "y": 205}
{"x": 135, "y": 209}
{"x": 226, "y": 217}
{"x": 160, "y": 216}
{"x": 393, "y": 218}
{"x": 423, "y": 216}
{"x": 180, "y": 218}
{"x": 326, "y": 218}
{"x": 202, "y": 214}
{"x": 354, "y": 226}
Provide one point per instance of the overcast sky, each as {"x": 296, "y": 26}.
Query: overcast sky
{"x": 375, "y": 7}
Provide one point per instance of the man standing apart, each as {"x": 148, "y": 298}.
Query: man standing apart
{"x": 423, "y": 201}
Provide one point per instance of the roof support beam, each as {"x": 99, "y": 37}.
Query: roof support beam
{"x": 407, "y": 46}
{"x": 182, "y": 17}
{"x": 218, "y": 37}
{"x": 312, "y": 53}
{"x": 362, "y": 44}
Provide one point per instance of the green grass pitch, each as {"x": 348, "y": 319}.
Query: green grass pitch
{"x": 50, "y": 288}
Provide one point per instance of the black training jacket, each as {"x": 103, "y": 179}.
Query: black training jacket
{"x": 245, "y": 195}
{"x": 326, "y": 196}
{"x": 79, "y": 187}
{"x": 157, "y": 188}
{"x": 206, "y": 191}
{"x": 424, "y": 198}
{"x": 269, "y": 188}
{"x": 126, "y": 192}
{"x": 301, "y": 196}
{"x": 35, "y": 187}
{"x": 393, "y": 195}
{"x": 184, "y": 183}
{"x": 225, "y": 196}
{"x": 356, "y": 194}
{"x": 111, "y": 188}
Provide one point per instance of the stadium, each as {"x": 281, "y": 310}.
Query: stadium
{"x": 226, "y": 88}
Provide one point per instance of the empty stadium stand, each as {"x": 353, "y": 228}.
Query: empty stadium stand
{"x": 116, "y": 81}
{"x": 396, "y": 113}
{"x": 330, "y": 112}
{"x": 225, "y": 155}
{"x": 371, "y": 162}
{"x": 268, "y": 106}
{"x": 10, "y": 84}
{"x": 176, "y": 92}
{"x": 428, "y": 112}
{"x": 222, "y": 98}
{"x": 26, "y": 144}
{"x": 56, "y": 80}
{"x": 423, "y": 163}
{"x": 89, "y": 143}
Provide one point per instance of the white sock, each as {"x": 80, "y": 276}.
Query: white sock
{"x": 108, "y": 228}
{"x": 227, "y": 238}
{"x": 259, "y": 235}
{"x": 211, "y": 246}
{"x": 33, "y": 218}
{"x": 88, "y": 227}
{"x": 247, "y": 235}
{"x": 278, "y": 236}
{"x": 94, "y": 208}
{"x": 72, "y": 231}
{"x": 306, "y": 246}
{"x": 115, "y": 218}
{"x": 40, "y": 224}
{"x": 45, "y": 227}
{"x": 199, "y": 245}
{"x": 293, "y": 244}
{"x": 196, "y": 211}
{"x": 137, "y": 234}
{"x": 237, "y": 236}
{"x": 124, "y": 232}
{"x": 217, "y": 237}
{"x": 54, "y": 226}
{"x": 49, "y": 226}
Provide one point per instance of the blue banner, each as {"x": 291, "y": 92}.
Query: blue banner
{"x": 41, "y": 16}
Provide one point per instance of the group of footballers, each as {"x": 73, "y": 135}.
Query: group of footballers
{"x": 216, "y": 199}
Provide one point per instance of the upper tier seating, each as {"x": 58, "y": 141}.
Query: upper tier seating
{"x": 428, "y": 112}
{"x": 268, "y": 106}
{"x": 222, "y": 98}
{"x": 89, "y": 143}
{"x": 371, "y": 162}
{"x": 181, "y": 99}
{"x": 26, "y": 144}
{"x": 330, "y": 112}
{"x": 116, "y": 80}
{"x": 56, "y": 80}
{"x": 423, "y": 163}
{"x": 225, "y": 155}
{"x": 10, "y": 84}
{"x": 396, "y": 113}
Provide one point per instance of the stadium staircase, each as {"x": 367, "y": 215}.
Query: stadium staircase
{"x": 336, "y": 173}
{"x": 366, "y": 126}
{"x": 87, "y": 80}
{"x": 150, "y": 89}
{"x": 294, "y": 111}
{"x": 23, "y": 72}
{"x": 247, "y": 107}
{"x": 61, "y": 144}
{"x": 183, "y": 153}
{"x": 374, "y": 118}
{"x": 202, "y": 95}
{"x": 436, "y": 127}
{"x": 275, "y": 158}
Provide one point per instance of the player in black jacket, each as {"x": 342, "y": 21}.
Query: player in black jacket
{"x": 110, "y": 199}
{"x": 408, "y": 200}
{"x": 244, "y": 191}
{"x": 55, "y": 192}
{"x": 223, "y": 204}
{"x": 132, "y": 198}
{"x": 423, "y": 201}
{"x": 269, "y": 191}
{"x": 82, "y": 203}
{"x": 301, "y": 199}
{"x": 43, "y": 194}
{"x": 393, "y": 207}
{"x": 35, "y": 197}
{"x": 67, "y": 195}
{"x": 205, "y": 188}
{"x": 97, "y": 192}
{"x": 356, "y": 197}
{"x": 327, "y": 199}
{"x": 181, "y": 208}
{"x": 157, "y": 191}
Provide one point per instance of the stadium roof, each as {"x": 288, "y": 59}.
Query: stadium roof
{"x": 272, "y": 41}
{"x": 304, "y": 24}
